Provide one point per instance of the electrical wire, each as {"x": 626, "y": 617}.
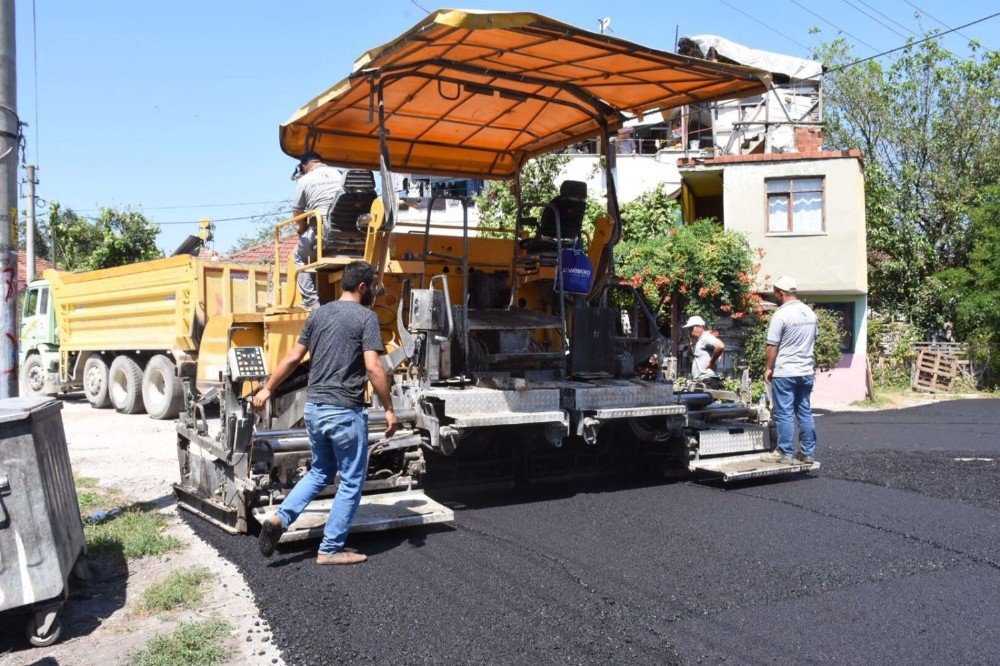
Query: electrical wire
{"x": 769, "y": 27}
{"x": 937, "y": 20}
{"x": 889, "y": 18}
{"x": 906, "y": 46}
{"x": 881, "y": 23}
{"x": 855, "y": 38}
{"x": 213, "y": 205}
{"x": 260, "y": 216}
{"x": 420, "y": 6}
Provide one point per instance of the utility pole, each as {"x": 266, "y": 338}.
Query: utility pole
{"x": 29, "y": 232}
{"x": 9, "y": 131}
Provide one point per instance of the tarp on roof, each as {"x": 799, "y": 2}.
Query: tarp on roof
{"x": 472, "y": 93}
{"x": 775, "y": 63}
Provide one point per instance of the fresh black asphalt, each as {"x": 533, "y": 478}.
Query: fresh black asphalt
{"x": 890, "y": 554}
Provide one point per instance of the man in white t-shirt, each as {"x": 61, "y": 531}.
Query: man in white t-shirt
{"x": 318, "y": 187}
{"x": 705, "y": 353}
{"x": 790, "y": 369}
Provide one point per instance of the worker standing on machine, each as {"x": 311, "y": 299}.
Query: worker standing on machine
{"x": 343, "y": 340}
{"x": 790, "y": 369}
{"x": 318, "y": 187}
{"x": 706, "y": 352}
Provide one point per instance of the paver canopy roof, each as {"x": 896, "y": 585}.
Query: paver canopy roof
{"x": 473, "y": 93}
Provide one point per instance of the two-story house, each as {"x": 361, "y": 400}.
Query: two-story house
{"x": 806, "y": 212}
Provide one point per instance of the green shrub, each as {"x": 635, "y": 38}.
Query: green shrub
{"x": 191, "y": 644}
{"x": 827, "y": 351}
{"x": 710, "y": 271}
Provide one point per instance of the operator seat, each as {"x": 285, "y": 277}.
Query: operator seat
{"x": 571, "y": 204}
{"x": 340, "y": 228}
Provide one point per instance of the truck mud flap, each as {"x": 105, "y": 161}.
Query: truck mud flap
{"x": 380, "y": 512}
{"x": 748, "y": 466}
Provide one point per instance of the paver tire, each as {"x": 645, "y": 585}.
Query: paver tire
{"x": 161, "y": 388}
{"x": 95, "y": 383}
{"x": 125, "y": 385}
{"x": 33, "y": 376}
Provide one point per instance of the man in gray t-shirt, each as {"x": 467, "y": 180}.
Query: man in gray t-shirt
{"x": 318, "y": 187}
{"x": 343, "y": 341}
{"x": 790, "y": 369}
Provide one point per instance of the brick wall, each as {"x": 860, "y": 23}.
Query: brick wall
{"x": 808, "y": 139}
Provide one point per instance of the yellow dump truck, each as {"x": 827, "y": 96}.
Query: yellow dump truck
{"x": 126, "y": 335}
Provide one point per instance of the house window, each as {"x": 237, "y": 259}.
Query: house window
{"x": 795, "y": 206}
{"x": 845, "y": 316}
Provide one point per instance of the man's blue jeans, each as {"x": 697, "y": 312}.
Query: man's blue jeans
{"x": 791, "y": 404}
{"x": 339, "y": 439}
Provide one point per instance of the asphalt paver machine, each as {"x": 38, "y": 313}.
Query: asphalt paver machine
{"x": 493, "y": 364}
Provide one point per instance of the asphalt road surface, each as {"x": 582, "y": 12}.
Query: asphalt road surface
{"x": 891, "y": 553}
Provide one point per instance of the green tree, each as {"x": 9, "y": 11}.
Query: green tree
{"x": 113, "y": 238}
{"x": 650, "y": 215}
{"x": 497, "y": 204}
{"x": 928, "y": 124}
{"x": 969, "y": 296}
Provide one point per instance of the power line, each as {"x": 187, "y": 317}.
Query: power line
{"x": 889, "y": 18}
{"x": 172, "y": 222}
{"x": 907, "y": 45}
{"x": 230, "y": 219}
{"x": 755, "y": 20}
{"x": 420, "y": 6}
{"x": 179, "y": 207}
{"x": 881, "y": 23}
{"x": 935, "y": 19}
{"x": 857, "y": 39}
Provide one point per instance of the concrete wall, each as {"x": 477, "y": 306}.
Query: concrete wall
{"x": 844, "y": 383}
{"x": 831, "y": 262}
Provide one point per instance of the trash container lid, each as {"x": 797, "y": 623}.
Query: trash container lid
{"x": 18, "y": 409}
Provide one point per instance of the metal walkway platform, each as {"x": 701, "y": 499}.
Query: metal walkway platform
{"x": 749, "y": 466}
{"x": 384, "y": 511}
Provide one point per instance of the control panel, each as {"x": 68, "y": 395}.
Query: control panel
{"x": 247, "y": 364}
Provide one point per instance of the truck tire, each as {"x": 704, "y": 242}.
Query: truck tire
{"x": 125, "y": 385}
{"x": 33, "y": 376}
{"x": 95, "y": 383}
{"x": 161, "y": 388}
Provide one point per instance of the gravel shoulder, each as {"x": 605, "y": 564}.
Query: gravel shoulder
{"x": 136, "y": 455}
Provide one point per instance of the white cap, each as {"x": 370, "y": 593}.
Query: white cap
{"x": 785, "y": 283}
{"x": 694, "y": 321}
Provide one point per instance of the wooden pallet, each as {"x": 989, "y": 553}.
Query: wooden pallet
{"x": 937, "y": 367}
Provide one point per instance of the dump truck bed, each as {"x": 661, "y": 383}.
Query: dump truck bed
{"x": 153, "y": 305}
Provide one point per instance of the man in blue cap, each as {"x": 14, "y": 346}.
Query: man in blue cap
{"x": 318, "y": 187}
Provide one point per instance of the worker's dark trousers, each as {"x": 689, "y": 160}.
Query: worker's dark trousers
{"x": 791, "y": 404}
{"x": 339, "y": 439}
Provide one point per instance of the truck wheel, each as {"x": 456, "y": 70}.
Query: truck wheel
{"x": 161, "y": 388}
{"x": 95, "y": 382}
{"x": 125, "y": 385}
{"x": 33, "y": 376}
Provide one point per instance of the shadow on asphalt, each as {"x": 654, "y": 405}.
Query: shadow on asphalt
{"x": 369, "y": 543}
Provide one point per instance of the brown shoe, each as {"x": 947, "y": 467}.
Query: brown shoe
{"x": 341, "y": 557}
{"x": 270, "y": 532}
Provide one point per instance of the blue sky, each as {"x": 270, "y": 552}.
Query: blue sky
{"x": 173, "y": 108}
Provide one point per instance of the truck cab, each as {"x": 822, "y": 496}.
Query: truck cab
{"x": 39, "y": 344}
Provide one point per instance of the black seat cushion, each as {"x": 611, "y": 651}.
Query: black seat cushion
{"x": 356, "y": 199}
{"x": 571, "y": 203}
